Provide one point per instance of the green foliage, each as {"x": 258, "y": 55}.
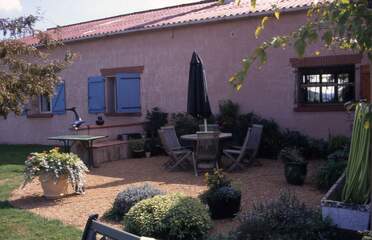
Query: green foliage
{"x": 357, "y": 182}
{"x": 129, "y": 197}
{"x": 217, "y": 180}
{"x": 154, "y": 121}
{"x": 227, "y": 118}
{"x": 184, "y": 123}
{"x": 338, "y": 142}
{"x": 331, "y": 170}
{"x": 286, "y": 218}
{"x": 20, "y": 79}
{"x": 169, "y": 217}
{"x": 337, "y": 24}
{"x": 295, "y": 166}
{"x": 56, "y": 164}
{"x": 291, "y": 155}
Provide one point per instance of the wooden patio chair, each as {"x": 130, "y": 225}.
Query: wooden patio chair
{"x": 93, "y": 229}
{"x": 206, "y": 151}
{"x": 245, "y": 154}
{"x": 210, "y": 127}
{"x": 177, "y": 153}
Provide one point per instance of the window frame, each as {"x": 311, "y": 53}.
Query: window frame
{"x": 321, "y": 70}
{"x": 50, "y": 105}
{"x": 112, "y": 110}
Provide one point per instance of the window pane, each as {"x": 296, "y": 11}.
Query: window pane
{"x": 314, "y": 78}
{"x": 345, "y": 93}
{"x": 45, "y": 104}
{"x": 313, "y": 94}
{"x": 343, "y": 78}
{"x": 328, "y": 78}
{"x": 328, "y": 94}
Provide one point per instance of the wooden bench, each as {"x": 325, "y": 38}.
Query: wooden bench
{"x": 93, "y": 228}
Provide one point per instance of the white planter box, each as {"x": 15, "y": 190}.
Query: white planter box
{"x": 344, "y": 215}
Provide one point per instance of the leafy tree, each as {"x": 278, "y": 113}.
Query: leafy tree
{"x": 26, "y": 70}
{"x": 342, "y": 24}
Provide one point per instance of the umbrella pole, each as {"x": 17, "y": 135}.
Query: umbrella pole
{"x": 205, "y": 125}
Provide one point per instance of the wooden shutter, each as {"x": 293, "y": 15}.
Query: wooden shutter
{"x": 96, "y": 94}
{"x": 58, "y": 100}
{"x": 128, "y": 95}
{"x": 365, "y": 85}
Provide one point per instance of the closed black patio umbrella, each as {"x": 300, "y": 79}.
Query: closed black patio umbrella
{"x": 197, "y": 101}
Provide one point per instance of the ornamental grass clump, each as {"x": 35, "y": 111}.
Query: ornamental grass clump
{"x": 169, "y": 217}
{"x": 54, "y": 164}
{"x": 357, "y": 188}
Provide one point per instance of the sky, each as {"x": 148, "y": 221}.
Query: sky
{"x": 63, "y": 12}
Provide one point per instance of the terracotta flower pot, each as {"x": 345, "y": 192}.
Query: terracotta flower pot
{"x": 53, "y": 189}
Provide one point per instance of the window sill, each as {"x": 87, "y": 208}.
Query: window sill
{"x": 40, "y": 115}
{"x": 320, "y": 108}
{"x": 139, "y": 114}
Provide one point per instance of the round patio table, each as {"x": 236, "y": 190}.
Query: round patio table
{"x": 222, "y": 136}
{"x": 194, "y": 137}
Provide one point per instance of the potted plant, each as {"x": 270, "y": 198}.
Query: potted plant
{"x": 347, "y": 201}
{"x": 222, "y": 198}
{"x": 295, "y": 166}
{"x": 137, "y": 147}
{"x": 155, "y": 119}
{"x": 55, "y": 171}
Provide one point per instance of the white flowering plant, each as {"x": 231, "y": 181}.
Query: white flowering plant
{"x": 55, "y": 164}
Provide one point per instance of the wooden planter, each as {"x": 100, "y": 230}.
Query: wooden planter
{"x": 345, "y": 215}
{"x": 53, "y": 189}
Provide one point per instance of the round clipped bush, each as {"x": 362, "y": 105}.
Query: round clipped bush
{"x": 132, "y": 195}
{"x": 169, "y": 217}
{"x": 224, "y": 202}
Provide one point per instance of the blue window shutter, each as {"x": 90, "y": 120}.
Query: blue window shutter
{"x": 96, "y": 94}
{"x": 128, "y": 93}
{"x": 58, "y": 100}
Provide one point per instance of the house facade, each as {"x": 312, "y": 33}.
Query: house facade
{"x": 129, "y": 64}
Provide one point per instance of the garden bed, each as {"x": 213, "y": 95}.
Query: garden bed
{"x": 257, "y": 184}
{"x": 345, "y": 215}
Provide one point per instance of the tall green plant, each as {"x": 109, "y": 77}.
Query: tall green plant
{"x": 356, "y": 189}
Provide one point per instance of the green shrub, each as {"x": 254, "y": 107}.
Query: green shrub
{"x": 155, "y": 119}
{"x": 169, "y": 217}
{"x": 290, "y": 155}
{"x": 129, "y": 197}
{"x": 283, "y": 219}
{"x": 338, "y": 143}
{"x": 228, "y": 116}
{"x": 332, "y": 169}
{"x": 184, "y": 123}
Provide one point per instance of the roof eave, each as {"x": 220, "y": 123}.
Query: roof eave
{"x": 182, "y": 24}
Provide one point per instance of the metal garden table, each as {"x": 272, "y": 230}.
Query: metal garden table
{"x": 86, "y": 140}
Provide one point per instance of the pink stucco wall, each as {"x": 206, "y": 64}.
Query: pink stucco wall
{"x": 165, "y": 55}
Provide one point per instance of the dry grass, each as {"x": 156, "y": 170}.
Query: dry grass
{"x": 257, "y": 184}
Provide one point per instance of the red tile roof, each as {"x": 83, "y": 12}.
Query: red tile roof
{"x": 164, "y": 17}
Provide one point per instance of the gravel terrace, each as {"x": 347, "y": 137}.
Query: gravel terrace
{"x": 257, "y": 184}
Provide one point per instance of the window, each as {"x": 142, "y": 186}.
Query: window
{"x": 326, "y": 85}
{"x": 45, "y": 104}
{"x": 117, "y": 94}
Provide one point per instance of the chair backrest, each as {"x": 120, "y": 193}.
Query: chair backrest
{"x": 170, "y": 137}
{"x": 210, "y": 127}
{"x": 207, "y": 145}
{"x": 253, "y": 138}
{"x": 93, "y": 227}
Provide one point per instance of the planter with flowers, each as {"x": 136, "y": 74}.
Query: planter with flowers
{"x": 55, "y": 171}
